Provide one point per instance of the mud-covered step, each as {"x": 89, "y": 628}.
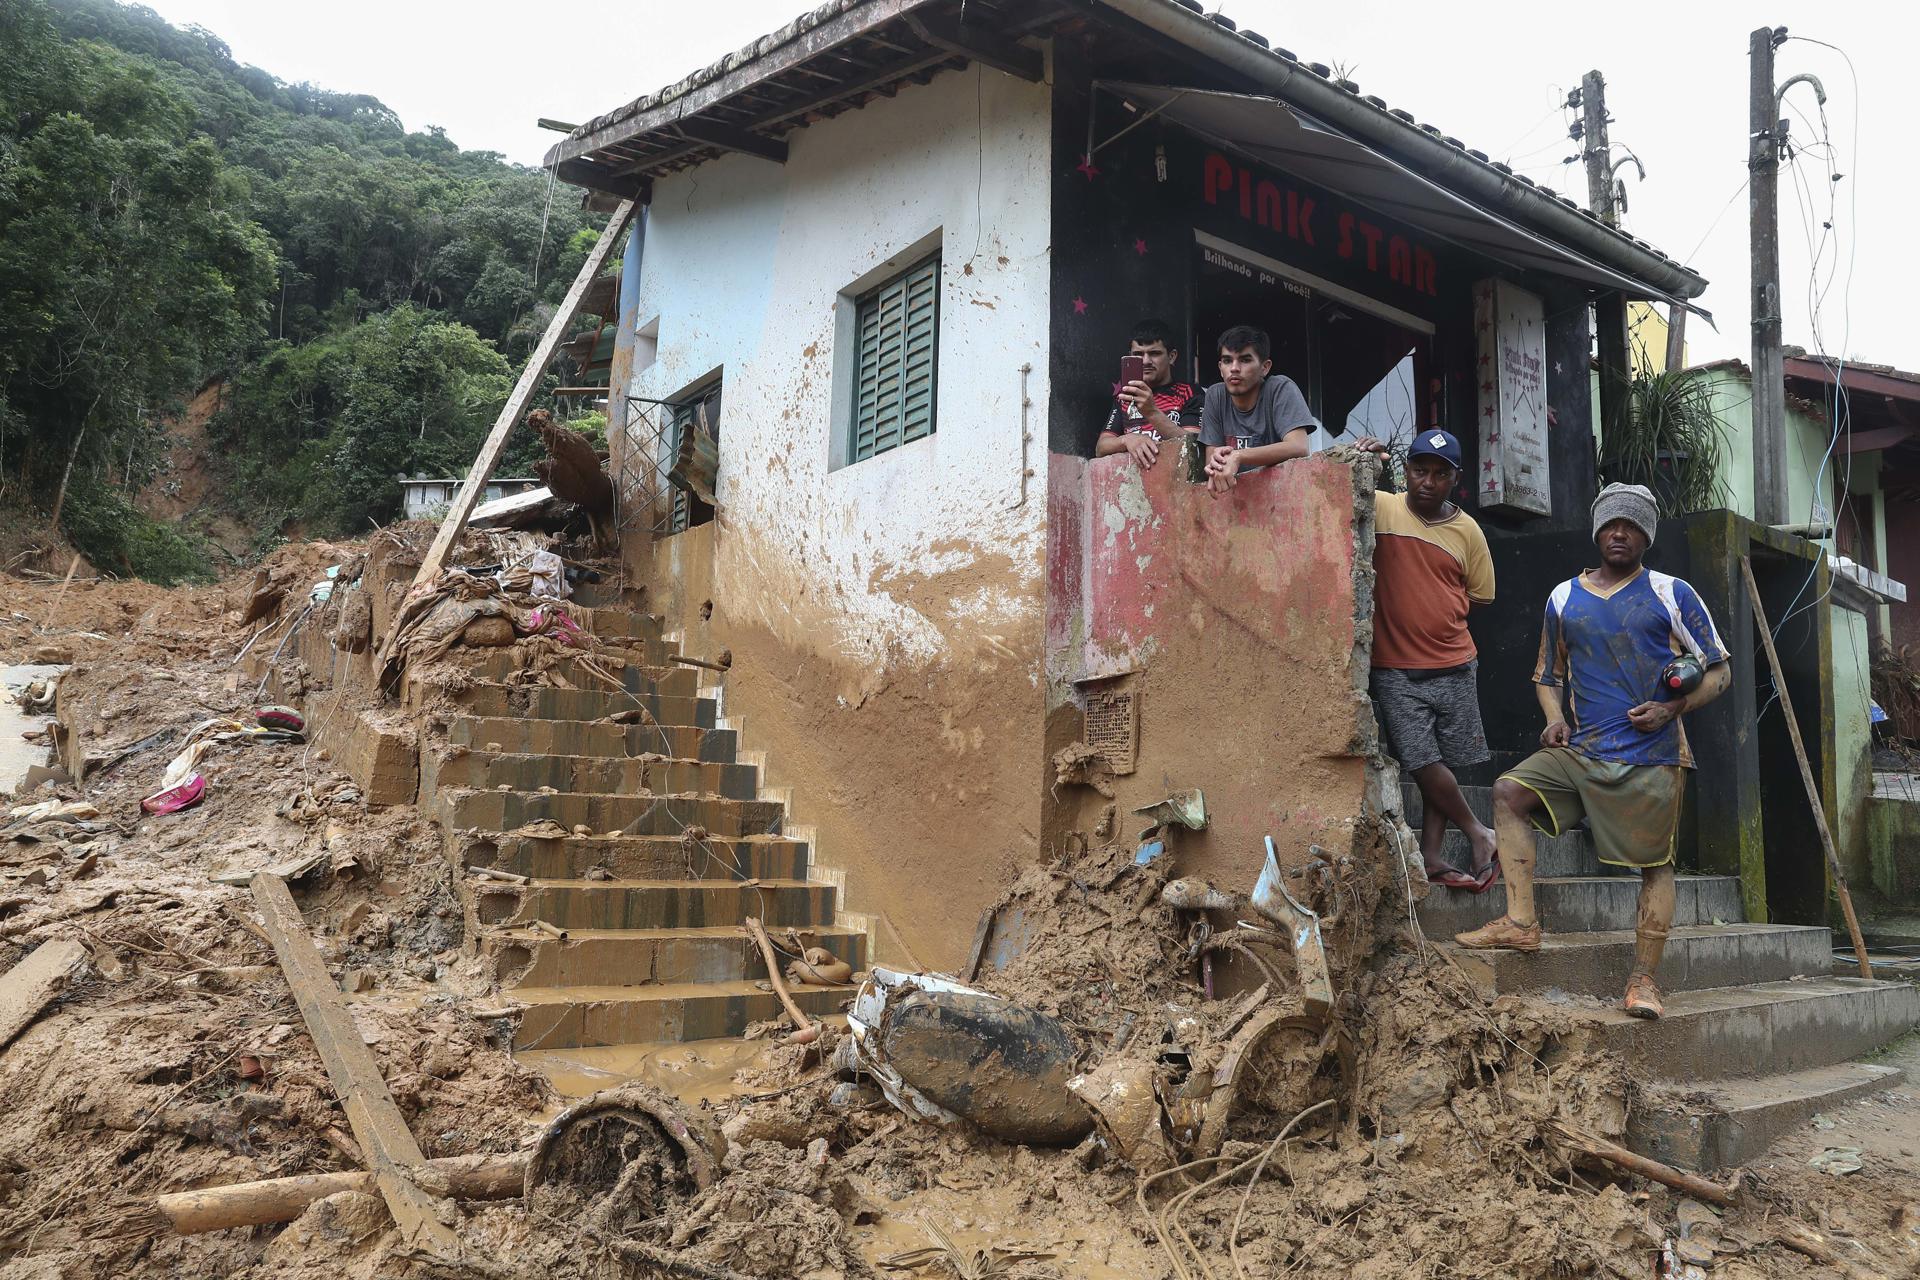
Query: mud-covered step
{"x": 571, "y": 1017}
{"x": 647, "y": 957}
{"x": 1582, "y": 904}
{"x": 1697, "y": 956}
{"x": 762, "y": 857}
{"x": 653, "y": 904}
{"x": 580, "y": 704}
{"x": 636, "y": 676}
{"x": 1723, "y": 1123}
{"x": 480, "y": 770}
{"x": 1768, "y": 1028}
{"x": 614, "y": 623}
{"x": 609, "y": 593}
{"x": 605, "y": 814}
{"x": 1568, "y": 854}
{"x": 519, "y": 736}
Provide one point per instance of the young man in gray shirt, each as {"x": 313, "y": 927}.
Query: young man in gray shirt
{"x": 1252, "y": 417}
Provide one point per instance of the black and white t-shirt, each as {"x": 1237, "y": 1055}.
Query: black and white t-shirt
{"x": 1281, "y": 409}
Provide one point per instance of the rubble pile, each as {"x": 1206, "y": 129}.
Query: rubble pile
{"x": 1138, "y": 1075}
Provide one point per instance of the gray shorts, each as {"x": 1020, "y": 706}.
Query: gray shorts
{"x": 1433, "y": 719}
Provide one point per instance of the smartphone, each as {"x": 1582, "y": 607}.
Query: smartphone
{"x": 1132, "y": 369}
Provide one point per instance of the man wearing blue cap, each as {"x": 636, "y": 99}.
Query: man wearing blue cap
{"x": 1613, "y": 752}
{"x": 1430, "y": 566}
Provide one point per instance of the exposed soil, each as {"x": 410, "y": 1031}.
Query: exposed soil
{"x": 1426, "y": 1124}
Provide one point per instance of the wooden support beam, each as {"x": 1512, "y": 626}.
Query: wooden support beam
{"x": 598, "y": 177}
{"x": 496, "y": 441}
{"x": 31, "y": 985}
{"x": 254, "y": 1204}
{"x": 728, "y": 138}
{"x": 378, "y": 1126}
{"x": 986, "y": 47}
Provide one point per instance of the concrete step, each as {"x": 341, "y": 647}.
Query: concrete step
{"x": 635, "y": 675}
{"x": 647, "y": 957}
{"x": 605, "y": 813}
{"x": 615, "y": 623}
{"x": 481, "y": 770}
{"x": 1724, "y": 1123}
{"x": 1569, "y": 854}
{"x": 608, "y": 593}
{"x": 1698, "y": 956}
{"x": 652, "y": 904}
{"x": 633, "y": 857}
{"x": 1770, "y": 1027}
{"x": 1479, "y": 799}
{"x": 1583, "y": 904}
{"x": 519, "y": 736}
{"x": 570, "y": 1017}
{"x": 483, "y": 699}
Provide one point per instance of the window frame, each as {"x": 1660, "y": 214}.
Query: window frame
{"x": 927, "y": 262}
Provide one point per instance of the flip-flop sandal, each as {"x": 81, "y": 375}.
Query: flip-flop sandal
{"x": 1454, "y": 878}
{"x": 1484, "y": 881}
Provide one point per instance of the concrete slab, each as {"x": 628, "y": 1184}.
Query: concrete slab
{"x": 1733, "y": 1122}
{"x": 568, "y": 1017}
{"x": 605, "y": 813}
{"x": 633, "y": 857}
{"x": 461, "y": 767}
{"x": 646, "y": 957}
{"x": 519, "y": 736}
{"x": 653, "y": 904}
{"x": 1773, "y": 1027}
{"x": 1697, "y": 956}
{"x": 17, "y": 754}
{"x": 1583, "y": 904}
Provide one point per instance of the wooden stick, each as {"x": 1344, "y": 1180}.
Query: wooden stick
{"x": 253, "y": 1204}
{"x": 978, "y": 952}
{"x": 547, "y": 927}
{"x": 1693, "y": 1184}
{"x": 901, "y": 943}
{"x": 1806, "y": 771}
{"x": 725, "y": 662}
{"x": 31, "y": 985}
{"x": 468, "y": 497}
{"x": 377, "y": 1123}
{"x": 800, "y": 1019}
{"x": 489, "y": 873}
{"x": 61, "y": 593}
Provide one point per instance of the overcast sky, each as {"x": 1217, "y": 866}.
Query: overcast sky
{"x": 1495, "y": 75}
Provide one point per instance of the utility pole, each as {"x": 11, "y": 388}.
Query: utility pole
{"x": 1610, "y": 312}
{"x": 1763, "y": 211}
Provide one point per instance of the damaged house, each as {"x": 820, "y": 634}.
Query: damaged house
{"x": 880, "y": 269}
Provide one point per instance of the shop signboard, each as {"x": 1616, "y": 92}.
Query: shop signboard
{"x": 1510, "y": 372}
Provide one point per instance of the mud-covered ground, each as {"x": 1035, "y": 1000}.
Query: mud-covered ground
{"x": 1432, "y": 1144}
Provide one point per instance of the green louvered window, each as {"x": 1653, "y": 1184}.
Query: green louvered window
{"x": 898, "y": 332}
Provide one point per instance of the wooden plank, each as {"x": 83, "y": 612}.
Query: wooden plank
{"x": 378, "y": 1126}
{"x": 1806, "y": 771}
{"x": 31, "y": 985}
{"x": 982, "y": 46}
{"x": 731, "y": 138}
{"x": 496, "y": 442}
{"x": 632, "y": 119}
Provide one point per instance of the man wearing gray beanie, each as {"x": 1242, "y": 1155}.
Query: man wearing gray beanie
{"x": 1614, "y": 751}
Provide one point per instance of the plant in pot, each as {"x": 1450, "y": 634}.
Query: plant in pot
{"x": 1667, "y": 437}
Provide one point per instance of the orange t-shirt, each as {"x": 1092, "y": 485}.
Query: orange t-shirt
{"x": 1425, "y": 577}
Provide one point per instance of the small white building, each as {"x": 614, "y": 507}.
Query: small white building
{"x": 426, "y": 498}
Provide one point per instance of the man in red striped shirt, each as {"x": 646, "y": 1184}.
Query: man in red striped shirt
{"x": 1157, "y": 407}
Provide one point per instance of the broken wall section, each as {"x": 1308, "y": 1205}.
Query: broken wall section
{"x": 1219, "y": 644}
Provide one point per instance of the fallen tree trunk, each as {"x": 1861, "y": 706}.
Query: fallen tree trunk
{"x": 252, "y": 1204}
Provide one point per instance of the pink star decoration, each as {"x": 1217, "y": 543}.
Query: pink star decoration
{"x": 1140, "y": 246}
{"x": 1088, "y": 168}
{"x": 1079, "y": 306}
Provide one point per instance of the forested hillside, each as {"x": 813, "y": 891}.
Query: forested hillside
{"x": 169, "y": 217}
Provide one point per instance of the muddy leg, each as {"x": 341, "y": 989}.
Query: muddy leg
{"x": 1512, "y": 803}
{"x": 1654, "y": 920}
{"x": 1440, "y": 798}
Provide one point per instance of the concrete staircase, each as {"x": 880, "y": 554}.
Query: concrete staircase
{"x": 1758, "y": 1034}
{"x": 663, "y": 846}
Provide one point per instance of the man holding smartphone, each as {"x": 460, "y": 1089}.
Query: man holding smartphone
{"x": 1150, "y": 406}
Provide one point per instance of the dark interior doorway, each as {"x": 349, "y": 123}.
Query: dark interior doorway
{"x": 1362, "y": 372}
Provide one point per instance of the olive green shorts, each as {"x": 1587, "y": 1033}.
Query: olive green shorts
{"x": 1632, "y": 809}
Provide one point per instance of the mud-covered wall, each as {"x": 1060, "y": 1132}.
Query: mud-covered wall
{"x": 885, "y": 616}
{"x": 1241, "y": 626}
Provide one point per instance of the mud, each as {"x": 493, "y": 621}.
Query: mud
{"x": 177, "y": 1059}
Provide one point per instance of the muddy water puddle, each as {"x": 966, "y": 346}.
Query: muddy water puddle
{"x": 695, "y": 1072}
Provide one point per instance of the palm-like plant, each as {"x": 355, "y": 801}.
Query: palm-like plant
{"x": 1668, "y": 437}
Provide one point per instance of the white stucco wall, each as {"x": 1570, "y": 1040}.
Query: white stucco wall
{"x": 744, "y": 266}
